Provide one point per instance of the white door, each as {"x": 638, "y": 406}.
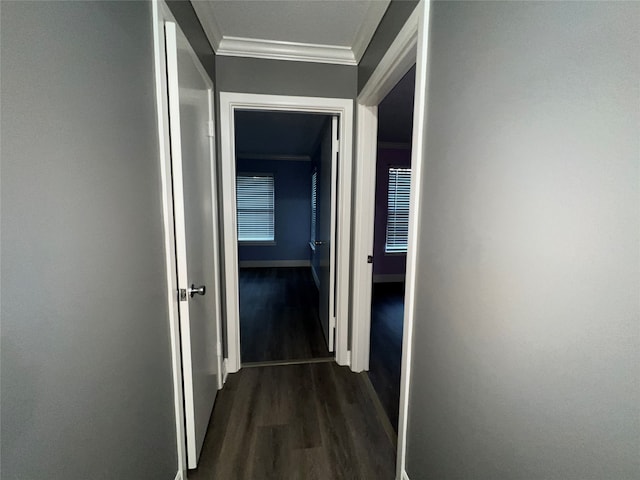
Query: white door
{"x": 194, "y": 187}
{"x": 326, "y": 231}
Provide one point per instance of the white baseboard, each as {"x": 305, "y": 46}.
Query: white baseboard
{"x": 225, "y": 371}
{"x": 390, "y": 278}
{"x": 179, "y": 476}
{"x": 273, "y": 263}
{"x": 404, "y": 475}
{"x": 315, "y": 277}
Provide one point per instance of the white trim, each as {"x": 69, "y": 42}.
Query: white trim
{"x": 394, "y": 64}
{"x": 273, "y": 263}
{"x": 280, "y": 50}
{"x": 204, "y": 12}
{"x": 368, "y": 27}
{"x": 229, "y": 102}
{"x": 367, "y": 131}
{"x": 333, "y": 294}
{"x": 225, "y": 370}
{"x": 161, "y": 13}
{"x": 179, "y": 476}
{"x": 389, "y": 278}
{"x": 273, "y": 156}
{"x": 404, "y": 475}
{"x": 417, "y": 164}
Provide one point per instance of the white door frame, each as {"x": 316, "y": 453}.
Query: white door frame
{"x": 229, "y": 103}
{"x": 396, "y": 62}
{"x": 161, "y": 14}
{"x": 409, "y": 47}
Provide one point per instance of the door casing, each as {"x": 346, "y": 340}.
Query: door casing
{"x": 409, "y": 47}
{"x": 230, "y": 102}
{"x": 161, "y": 14}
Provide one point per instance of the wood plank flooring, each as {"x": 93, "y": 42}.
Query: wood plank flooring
{"x": 295, "y": 422}
{"x": 279, "y": 315}
{"x": 387, "y": 317}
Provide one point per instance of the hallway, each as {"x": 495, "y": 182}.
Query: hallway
{"x": 304, "y": 421}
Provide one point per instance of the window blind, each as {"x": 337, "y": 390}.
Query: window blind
{"x": 314, "y": 204}
{"x": 398, "y": 210}
{"x": 255, "y": 208}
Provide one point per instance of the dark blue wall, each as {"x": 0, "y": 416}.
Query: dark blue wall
{"x": 293, "y": 210}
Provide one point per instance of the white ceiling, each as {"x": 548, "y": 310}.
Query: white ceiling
{"x": 326, "y": 31}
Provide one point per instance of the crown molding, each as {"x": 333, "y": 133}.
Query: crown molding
{"x": 279, "y": 50}
{"x": 293, "y": 51}
{"x": 204, "y": 12}
{"x": 368, "y": 28}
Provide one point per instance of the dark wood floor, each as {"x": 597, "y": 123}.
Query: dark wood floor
{"x": 295, "y": 422}
{"x": 387, "y": 315}
{"x": 279, "y": 315}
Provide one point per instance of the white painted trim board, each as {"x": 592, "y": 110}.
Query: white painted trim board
{"x": 160, "y": 14}
{"x": 229, "y": 102}
{"x": 398, "y": 59}
{"x": 418, "y": 162}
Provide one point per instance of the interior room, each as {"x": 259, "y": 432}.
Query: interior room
{"x": 393, "y": 175}
{"x": 278, "y": 156}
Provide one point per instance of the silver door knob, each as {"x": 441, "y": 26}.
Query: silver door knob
{"x": 199, "y": 290}
{"x": 318, "y": 243}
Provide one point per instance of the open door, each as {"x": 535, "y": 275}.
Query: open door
{"x": 326, "y": 231}
{"x": 193, "y": 172}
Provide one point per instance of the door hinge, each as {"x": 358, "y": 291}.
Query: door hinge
{"x": 212, "y": 132}
{"x": 182, "y": 294}
{"x": 369, "y": 258}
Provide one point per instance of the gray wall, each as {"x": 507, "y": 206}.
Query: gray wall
{"x": 279, "y": 77}
{"x": 190, "y": 25}
{"x": 392, "y": 22}
{"x": 86, "y": 373}
{"x": 526, "y": 350}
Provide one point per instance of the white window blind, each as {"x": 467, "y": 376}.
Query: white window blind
{"x": 398, "y": 210}
{"x": 314, "y": 204}
{"x": 255, "y": 208}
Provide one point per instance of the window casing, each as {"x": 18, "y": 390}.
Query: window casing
{"x": 255, "y": 208}
{"x": 398, "y": 210}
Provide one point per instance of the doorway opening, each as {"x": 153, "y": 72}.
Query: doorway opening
{"x": 283, "y": 225}
{"x": 334, "y": 238}
{"x": 390, "y": 239}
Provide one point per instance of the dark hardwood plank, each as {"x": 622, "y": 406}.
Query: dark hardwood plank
{"x": 279, "y": 315}
{"x": 385, "y": 360}
{"x": 306, "y": 421}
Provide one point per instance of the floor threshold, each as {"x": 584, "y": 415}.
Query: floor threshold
{"x": 300, "y": 361}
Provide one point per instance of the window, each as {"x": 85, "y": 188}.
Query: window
{"x": 398, "y": 210}
{"x": 314, "y": 204}
{"x": 254, "y": 201}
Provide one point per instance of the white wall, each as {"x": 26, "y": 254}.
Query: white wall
{"x": 527, "y": 330}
